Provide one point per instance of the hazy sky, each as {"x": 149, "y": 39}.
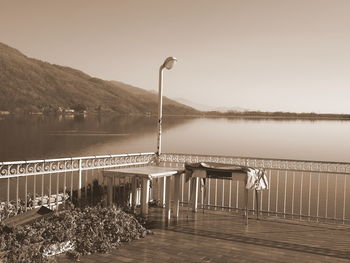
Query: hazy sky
{"x": 289, "y": 55}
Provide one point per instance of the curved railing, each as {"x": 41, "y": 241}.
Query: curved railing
{"x": 50, "y": 177}
{"x": 298, "y": 188}
{"x": 38, "y": 167}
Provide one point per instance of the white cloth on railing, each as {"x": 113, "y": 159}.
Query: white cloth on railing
{"x": 199, "y": 173}
{"x": 256, "y": 179}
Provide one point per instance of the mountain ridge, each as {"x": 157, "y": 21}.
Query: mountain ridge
{"x": 32, "y": 85}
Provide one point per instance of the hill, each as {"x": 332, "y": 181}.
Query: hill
{"x": 31, "y": 85}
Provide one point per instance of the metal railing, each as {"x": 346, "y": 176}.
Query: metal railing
{"x": 44, "y": 179}
{"x": 297, "y": 188}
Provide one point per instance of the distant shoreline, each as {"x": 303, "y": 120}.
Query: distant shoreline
{"x": 280, "y": 118}
{"x": 278, "y": 115}
{"x": 248, "y": 115}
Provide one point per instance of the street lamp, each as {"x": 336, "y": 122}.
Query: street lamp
{"x": 168, "y": 64}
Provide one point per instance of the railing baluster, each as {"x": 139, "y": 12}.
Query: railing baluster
{"x": 89, "y": 184}
{"x": 223, "y": 195}
{"x": 92, "y": 177}
{"x": 335, "y": 196}
{"x": 253, "y": 202}
{"x": 301, "y": 195}
{"x": 25, "y": 193}
{"x": 309, "y": 205}
{"x": 34, "y": 187}
{"x": 17, "y": 192}
{"x": 293, "y": 193}
{"x": 318, "y": 196}
{"x": 57, "y": 189}
{"x": 277, "y": 186}
{"x": 327, "y": 184}
{"x": 116, "y": 190}
{"x": 209, "y": 183}
{"x": 202, "y": 194}
{"x": 182, "y": 187}
{"x": 269, "y": 192}
{"x": 237, "y": 193}
{"x": 216, "y": 194}
{"x": 256, "y": 195}
{"x": 8, "y": 190}
{"x": 230, "y": 195}
{"x": 285, "y": 194}
{"x": 261, "y": 201}
{"x": 42, "y": 188}
{"x": 80, "y": 180}
{"x": 49, "y": 202}
{"x": 344, "y": 197}
{"x": 86, "y": 184}
{"x": 64, "y": 187}
{"x": 71, "y": 183}
{"x": 188, "y": 192}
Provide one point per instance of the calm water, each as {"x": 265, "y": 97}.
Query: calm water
{"x": 41, "y": 137}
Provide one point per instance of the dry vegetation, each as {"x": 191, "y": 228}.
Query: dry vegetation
{"x": 85, "y": 231}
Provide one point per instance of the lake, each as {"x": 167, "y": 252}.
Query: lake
{"x": 39, "y": 137}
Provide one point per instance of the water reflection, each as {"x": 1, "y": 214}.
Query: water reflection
{"x": 300, "y": 140}
{"x": 39, "y": 137}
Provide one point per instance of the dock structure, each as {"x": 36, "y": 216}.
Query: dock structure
{"x": 304, "y": 213}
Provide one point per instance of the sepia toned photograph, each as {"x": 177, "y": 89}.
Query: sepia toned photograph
{"x": 178, "y": 131}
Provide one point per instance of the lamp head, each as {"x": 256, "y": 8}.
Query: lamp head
{"x": 169, "y": 62}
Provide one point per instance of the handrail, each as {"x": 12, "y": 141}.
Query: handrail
{"x": 75, "y": 158}
{"x": 271, "y": 164}
{"x": 258, "y": 158}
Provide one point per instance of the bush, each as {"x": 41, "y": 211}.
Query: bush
{"x": 88, "y": 230}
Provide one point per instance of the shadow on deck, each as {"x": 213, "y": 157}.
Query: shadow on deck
{"x": 223, "y": 237}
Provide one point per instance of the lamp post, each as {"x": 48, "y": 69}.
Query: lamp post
{"x": 168, "y": 64}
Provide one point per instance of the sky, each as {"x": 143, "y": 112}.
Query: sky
{"x": 268, "y": 55}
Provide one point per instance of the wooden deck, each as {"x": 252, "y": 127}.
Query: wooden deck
{"x": 223, "y": 237}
